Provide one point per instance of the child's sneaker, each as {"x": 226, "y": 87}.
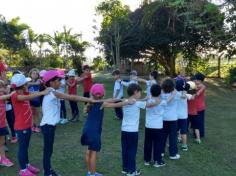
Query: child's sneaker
{"x": 13, "y": 140}
{"x": 160, "y": 164}
{"x": 33, "y": 169}
{"x": 97, "y": 174}
{"x": 163, "y": 154}
{"x": 124, "y": 171}
{"x": 184, "y": 147}
{"x": 4, "y": 161}
{"x": 5, "y": 148}
{"x": 63, "y": 121}
{"x": 136, "y": 173}
{"x": 37, "y": 130}
{"x": 147, "y": 163}
{"x": 26, "y": 173}
{"x": 176, "y": 157}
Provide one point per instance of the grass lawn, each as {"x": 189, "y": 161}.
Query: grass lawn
{"x": 216, "y": 156}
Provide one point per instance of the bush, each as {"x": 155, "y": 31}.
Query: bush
{"x": 99, "y": 64}
{"x": 231, "y": 77}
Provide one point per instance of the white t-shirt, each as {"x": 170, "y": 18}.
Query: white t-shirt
{"x": 62, "y": 88}
{"x": 51, "y": 109}
{"x": 126, "y": 84}
{"x": 118, "y": 87}
{"x": 149, "y": 85}
{"x": 183, "y": 106}
{"x": 154, "y": 115}
{"x": 170, "y": 113}
{"x": 131, "y": 116}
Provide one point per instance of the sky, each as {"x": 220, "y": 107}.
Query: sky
{"x": 47, "y": 16}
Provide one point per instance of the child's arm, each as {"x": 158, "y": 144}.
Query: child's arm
{"x": 33, "y": 95}
{"x": 6, "y": 97}
{"x": 203, "y": 87}
{"x": 34, "y": 83}
{"x": 73, "y": 97}
{"x": 141, "y": 80}
{"x": 157, "y": 102}
{"x": 126, "y": 84}
{"x": 118, "y": 105}
{"x": 71, "y": 84}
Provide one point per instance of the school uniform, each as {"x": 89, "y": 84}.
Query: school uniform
{"x": 62, "y": 89}
{"x": 73, "y": 104}
{"x": 193, "y": 116}
{"x": 153, "y": 142}
{"x": 51, "y": 117}
{"x": 3, "y": 123}
{"x": 201, "y": 106}
{"x": 32, "y": 89}
{"x": 22, "y": 126}
{"x": 129, "y": 135}
{"x": 118, "y": 87}
{"x": 91, "y": 135}
{"x": 149, "y": 84}
{"x": 87, "y": 84}
{"x": 10, "y": 118}
{"x": 170, "y": 118}
{"x": 182, "y": 111}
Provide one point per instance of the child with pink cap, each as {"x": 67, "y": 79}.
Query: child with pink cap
{"x": 91, "y": 135}
{"x": 51, "y": 116}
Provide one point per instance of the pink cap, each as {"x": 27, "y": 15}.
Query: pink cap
{"x": 42, "y": 72}
{"x": 97, "y": 89}
{"x": 61, "y": 73}
{"x": 49, "y": 75}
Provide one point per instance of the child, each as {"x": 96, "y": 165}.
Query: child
{"x": 182, "y": 107}
{"x": 170, "y": 119}
{"x": 34, "y": 86}
{"x": 92, "y": 130}
{"x": 154, "y": 128}
{"x": 200, "y": 101}
{"x": 23, "y": 121}
{"x": 133, "y": 79}
{"x": 118, "y": 93}
{"x": 192, "y": 112}
{"x": 62, "y": 89}
{"x": 4, "y": 161}
{"x": 86, "y": 77}
{"x": 72, "y": 88}
{"x": 130, "y": 128}
{"x": 51, "y": 116}
{"x": 152, "y": 80}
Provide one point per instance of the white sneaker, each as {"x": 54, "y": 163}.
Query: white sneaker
{"x": 63, "y": 121}
{"x": 176, "y": 157}
{"x": 147, "y": 163}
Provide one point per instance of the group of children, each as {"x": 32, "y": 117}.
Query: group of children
{"x": 170, "y": 107}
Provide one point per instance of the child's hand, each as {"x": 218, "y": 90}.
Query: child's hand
{"x": 95, "y": 101}
{"x": 46, "y": 91}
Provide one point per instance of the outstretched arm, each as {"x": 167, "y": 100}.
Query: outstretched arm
{"x": 33, "y": 95}
{"x": 203, "y": 87}
{"x": 73, "y": 97}
{"x": 141, "y": 80}
{"x": 118, "y": 105}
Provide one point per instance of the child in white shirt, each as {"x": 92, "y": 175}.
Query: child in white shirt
{"x": 133, "y": 79}
{"x": 118, "y": 93}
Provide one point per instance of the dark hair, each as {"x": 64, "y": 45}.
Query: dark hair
{"x": 168, "y": 85}
{"x": 181, "y": 85}
{"x": 47, "y": 84}
{"x": 154, "y": 74}
{"x": 155, "y": 90}
{"x": 132, "y": 88}
{"x": 199, "y": 76}
{"x": 116, "y": 72}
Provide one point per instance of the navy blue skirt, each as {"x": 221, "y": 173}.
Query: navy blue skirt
{"x": 4, "y": 131}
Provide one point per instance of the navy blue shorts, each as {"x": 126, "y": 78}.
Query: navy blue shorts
{"x": 195, "y": 121}
{"x": 183, "y": 126}
{"x": 93, "y": 141}
{"x": 35, "y": 104}
{"x": 4, "y": 131}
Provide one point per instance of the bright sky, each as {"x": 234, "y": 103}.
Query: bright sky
{"x": 46, "y": 16}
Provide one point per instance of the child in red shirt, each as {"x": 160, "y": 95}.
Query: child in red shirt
{"x": 23, "y": 121}
{"x": 4, "y": 161}
{"x": 87, "y": 80}
{"x": 72, "y": 90}
{"x": 193, "y": 117}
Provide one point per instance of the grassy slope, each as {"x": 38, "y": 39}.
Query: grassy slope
{"x": 215, "y": 157}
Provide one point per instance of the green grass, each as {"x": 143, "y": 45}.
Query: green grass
{"x": 216, "y": 156}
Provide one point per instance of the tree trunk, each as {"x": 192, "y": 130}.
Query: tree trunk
{"x": 219, "y": 66}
